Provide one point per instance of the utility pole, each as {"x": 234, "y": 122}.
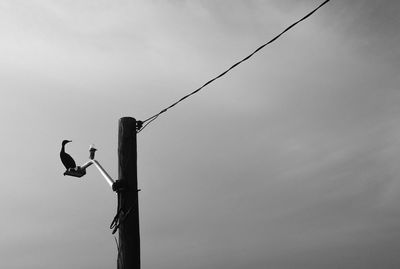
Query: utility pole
{"x": 127, "y": 217}
{"x": 128, "y": 202}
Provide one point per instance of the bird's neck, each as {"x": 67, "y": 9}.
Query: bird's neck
{"x": 63, "y": 148}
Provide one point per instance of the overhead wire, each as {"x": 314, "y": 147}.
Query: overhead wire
{"x": 149, "y": 120}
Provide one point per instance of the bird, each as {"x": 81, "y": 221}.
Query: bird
{"x": 66, "y": 159}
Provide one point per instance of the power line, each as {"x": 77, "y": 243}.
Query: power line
{"x": 146, "y": 122}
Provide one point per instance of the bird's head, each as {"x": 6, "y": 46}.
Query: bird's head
{"x": 66, "y": 142}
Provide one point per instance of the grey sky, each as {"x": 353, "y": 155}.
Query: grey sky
{"x": 290, "y": 161}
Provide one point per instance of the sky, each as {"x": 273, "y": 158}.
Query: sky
{"x": 291, "y": 160}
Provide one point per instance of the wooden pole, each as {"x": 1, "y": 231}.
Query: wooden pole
{"x": 129, "y": 237}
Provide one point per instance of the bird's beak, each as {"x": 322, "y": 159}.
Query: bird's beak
{"x": 69, "y": 141}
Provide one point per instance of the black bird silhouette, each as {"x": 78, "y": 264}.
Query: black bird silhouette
{"x": 66, "y": 159}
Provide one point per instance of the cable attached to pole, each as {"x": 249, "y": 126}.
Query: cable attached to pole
{"x": 146, "y": 122}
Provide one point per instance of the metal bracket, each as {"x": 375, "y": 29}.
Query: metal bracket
{"x": 75, "y": 172}
{"x": 81, "y": 170}
{"x": 139, "y": 125}
{"x": 119, "y": 185}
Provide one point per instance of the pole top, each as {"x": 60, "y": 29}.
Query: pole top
{"x": 130, "y": 123}
{"x": 127, "y": 119}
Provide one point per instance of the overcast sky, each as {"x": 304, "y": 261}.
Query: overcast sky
{"x": 289, "y": 161}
